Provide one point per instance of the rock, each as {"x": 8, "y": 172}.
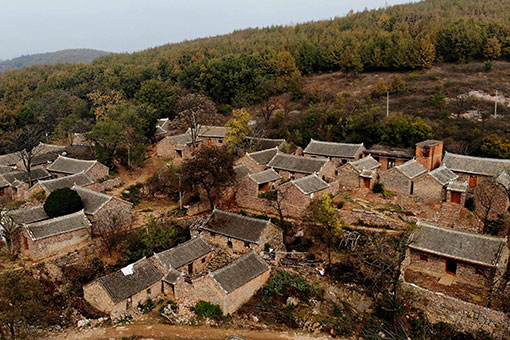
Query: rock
{"x": 381, "y": 335}
{"x": 292, "y": 301}
{"x": 254, "y": 318}
{"x": 83, "y": 323}
{"x": 300, "y": 233}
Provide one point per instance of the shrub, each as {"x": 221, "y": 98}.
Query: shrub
{"x": 470, "y": 204}
{"x": 340, "y": 205}
{"x": 398, "y": 85}
{"x": 134, "y": 193}
{"x": 206, "y": 309}
{"x": 147, "y": 306}
{"x": 488, "y": 66}
{"x": 62, "y": 202}
{"x": 379, "y": 90}
{"x": 284, "y": 284}
{"x": 378, "y": 188}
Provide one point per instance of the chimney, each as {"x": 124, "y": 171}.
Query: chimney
{"x": 429, "y": 153}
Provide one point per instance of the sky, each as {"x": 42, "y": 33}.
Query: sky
{"x": 38, "y": 26}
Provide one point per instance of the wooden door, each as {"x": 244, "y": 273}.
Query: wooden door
{"x": 455, "y": 197}
{"x": 366, "y": 181}
{"x": 472, "y": 181}
{"x": 210, "y": 142}
{"x": 190, "y": 269}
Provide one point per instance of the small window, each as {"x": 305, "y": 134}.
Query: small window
{"x": 424, "y": 258}
{"x": 213, "y": 234}
{"x": 220, "y": 141}
{"x": 203, "y": 260}
{"x": 336, "y": 172}
{"x": 451, "y": 266}
{"x": 229, "y": 242}
{"x": 149, "y": 291}
{"x": 391, "y": 162}
{"x": 247, "y": 244}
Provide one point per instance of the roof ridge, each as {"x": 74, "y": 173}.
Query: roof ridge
{"x": 476, "y": 157}
{"x": 423, "y": 223}
{"x": 261, "y": 151}
{"x": 180, "y": 245}
{"x": 239, "y": 215}
{"x": 336, "y": 143}
{"x": 81, "y": 173}
{"x": 59, "y": 218}
{"x": 79, "y": 160}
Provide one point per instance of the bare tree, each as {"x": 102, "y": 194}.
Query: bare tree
{"x": 275, "y": 199}
{"x": 486, "y": 196}
{"x": 113, "y": 228}
{"x": 195, "y": 110}
{"x": 8, "y": 227}
{"x": 268, "y": 104}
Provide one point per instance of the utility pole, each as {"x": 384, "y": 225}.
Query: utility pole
{"x": 180, "y": 194}
{"x": 387, "y": 103}
{"x": 496, "y": 105}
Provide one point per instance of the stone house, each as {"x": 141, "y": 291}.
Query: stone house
{"x": 257, "y": 161}
{"x": 456, "y": 192}
{"x": 429, "y": 153}
{"x": 431, "y": 187}
{"x": 359, "y": 174}
{"x": 339, "y": 153}
{"x": 456, "y": 263}
{"x": 9, "y": 159}
{"x": 400, "y": 179}
{"x": 230, "y": 286}
{"x": 30, "y": 215}
{"x": 121, "y": 292}
{"x": 178, "y": 147}
{"x": 297, "y": 194}
{"x": 389, "y": 156}
{"x": 99, "y": 206}
{"x": 212, "y": 135}
{"x": 50, "y": 185}
{"x": 293, "y": 167}
{"x": 65, "y": 166}
{"x": 238, "y": 234}
{"x": 241, "y": 172}
{"x": 259, "y": 144}
{"x": 45, "y": 238}
{"x": 17, "y": 181}
{"x": 252, "y": 186}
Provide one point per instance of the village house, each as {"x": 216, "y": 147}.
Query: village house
{"x": 252, "y": 186}
{"x": 259, "y": 144}
{"x": 99, "y": 206}
{"x": 456, "y": 192}
{"x": 293, "y": 167}
{"x": 230, "y": 286}
{"x": 429, "y": 153}
{"x": 15, "y": 184}
{"x": 212, "y": 135}
{"x": 359, "y": 174}
{"x": 65, "y": 166}
{"x": 456, "y": 263}
{"x": 400, "y": 179}
{"x": 431, "y": 187}
{"x": 238, "y": 234}
{"x": 119, "y": 293}
{"x": 257, "y": 161}
{"x": 388, "y": 156}
{"x": 50, "y": 185}
{"x": 241, "y": 172}
{"x": 45, "y": 238}
{"x": 9, "y": 159}
{"x": 297, "y": 194}
{"x": 30, "y": 215}
{"x": 176, "y": 147}
{"x": 339, "y": 153}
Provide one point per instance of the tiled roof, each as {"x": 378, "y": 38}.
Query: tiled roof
{"x": 307, "y": 165}
{"x": 443, "y": 175}
{"x": 6, "y": 169}
{"x": 36, "y": 174}
{"x": 30, "y": 215}
{"x": 265, "y": 176}
{"x": 457, "y": 186}
{"x": 368, "y": 173}
{"x": 241, "y": 171}
{"x": 429, "y": 142}
{"x": 184, "y": 253}
{"x": 160, "y": 131}
{"x": 475, "y": 165}
{"x": 264, "y": 156}
{"x": 42, "y": 148}
{"x": 469, "y": 247}
{"x": 172, "y": 276}
{"x": 411, "y": 169}
{"x": 310, "y": 184}
{"x": 388, "y": 151}
{"x": 44, "y": 158}
{"x": 263, "y": 143}
{"x": 237, "y": 226}
{"x": 138, "y": 276}
{"x": 367, "y": 163}
{"x": 68, "y": 165}
{"x": 212, "y": 131}
{"x": 343, "y": 150}
{"x": 92, "y": 200}
{"x": 9, "y": 159}
{"x": 57, "y": 225}
{"x": 240, "y": 272}
{"x": 182, "y": 139}
{"x": 80, "y": 179}
{"x": 504, "y": 179}
{"x": 235, "y": 337}
{"x": 3, "y": 182}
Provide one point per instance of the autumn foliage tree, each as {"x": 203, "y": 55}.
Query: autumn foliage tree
{"x": 238, "y": 129}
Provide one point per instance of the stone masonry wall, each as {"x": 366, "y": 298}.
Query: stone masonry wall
{"x": 106, "y": 185}
{"x": 98, "y": 171}
{"x": 348, "y": 178}
{"x": 166, "y": 149}
{"x": 428, "y": 190}
{"x": 238, "y": 247}
{"x": 120, "y": 309}
{"x": 395, "y": 182}
{"x": 247, "y": 196}
{"x": 250, "y": 164}
{"x": 97, "y": 297}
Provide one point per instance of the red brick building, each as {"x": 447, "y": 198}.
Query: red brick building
{"x": 429, "y": 153}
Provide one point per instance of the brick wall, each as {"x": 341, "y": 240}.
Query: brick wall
{"x": 98, "y": 171}
{"x": 428, "y": 190}
{"x": 384, "y": 161}
{"x": 430, "y": 156}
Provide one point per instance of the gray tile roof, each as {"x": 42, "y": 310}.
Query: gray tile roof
{"x": 6, "y": 169}
{"x": 263, "y": 143}
{"x": 237, "y": 226}
{"x": 45, "y": 158}
{"x": 160, "y": 131}
{"x": 235, "y": 337}
{"x": 43, "y": 148}
{"x": 182, "y": 139}
{"x": 310, "y": 184}
{"x": 367, "y": 173}
{"x": 265, "y": 176}
{"x": 342, "y": 150}
{"x": 172, "y": 276}
{"x": 306, "y": 165}
{"x": 469, "y": 247}
{"x": 429, "y": 142}
{"x": 9, "y": 159}
{"x": 443, "y": 175}
{"x": 184, "y": 253}
{"x": 212, "y": 131}
{"x": 388, "y": 151}
{"x": 504, "y": 179}
{"x": 457, "y": 186}
{"x": 80, "y": 179}
{"x": 121, "y": 286}
{"x": 475, "y": 165}
{"x": 241, "y": 171}
{"x": 68, "y": 165}
{"x": 30, "y": 215}
{"x": 264, "y": 156}
{"x": 36, "y": 174}
{"x": 3, "y": 182}
{"x": 366, "y": 163}
{"x": 240, "y": 272}
{"x": 57, "y": 225}
{"x": 92, "y": 200}
{"x": 411, "y": 169}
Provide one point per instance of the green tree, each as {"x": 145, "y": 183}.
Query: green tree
{"x": 379, "y": 90}
{"x": 492, "y": 49}
{"x": 496, "y": 146}
{"x": 107, "y": 136}
{"x": 404, "y": 130}
{"x": 62, "y": 202}
{"x": 238, "y": 129}
{"x": 161, "y": 96}
{"x": 398, "y": 85}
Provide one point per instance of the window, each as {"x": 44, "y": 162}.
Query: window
{"x": 391, "y": 162}
{"x": 129, "y": 302}
{"x": 229, "y": 242}
{"x": 247, "y": 245}
{"x": 472, "y": 181}
{"x": 179, "y": 153}
{"x": 220, "y": 141}
{"x": 412, "y": 188}
{"x": 336, "y": 172}
{"x": 451, "y": 266}
{"x": 213, "y": 234}
{"x": 203, "y": 260}
{"x": 424, "y": 258}
{"x": 149, "y": 291}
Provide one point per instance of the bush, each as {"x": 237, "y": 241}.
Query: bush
{"x": 470, "y": 204}
{"x": 340, "y": 205}
{"x": 206, "y": 309}
{"x": 147, "y": 306}
{"x": 134, "y": 193}
{"x": 379, "y": 90}
{"x": 488, "y": 66}
{"x": 62, "y": 202}
{"x": 378, "y": 188}
{"x": 284, "y": 284}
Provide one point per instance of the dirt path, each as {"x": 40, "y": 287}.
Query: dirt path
{"x": 170, "y": 332}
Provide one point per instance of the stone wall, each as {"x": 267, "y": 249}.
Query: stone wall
{"x": 394, "y": 181}
{"x": 97, "y": 297}
{"x": 98, "y": 171}
{"x": 384, "y": 162}
{"x": 238, "y": 247}
{"x": 428, "y": 190}
{"x": 371, "y": 218}
{"x": 348, "y": 178}
{"x": 106, "y": 185}
{"x": 121, "y": 208}
{"x": 250, "y": 164}
{"x": 247, "y": 196}
{"x": 166, "y": 149}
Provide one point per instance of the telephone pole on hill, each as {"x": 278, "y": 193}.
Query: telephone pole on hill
{"x": 387, "y": 103}
{"x": 496, "y": 105}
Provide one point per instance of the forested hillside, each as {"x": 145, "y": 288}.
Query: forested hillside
{"x": 85, "y": 56}
{"x": 250, "y": 68}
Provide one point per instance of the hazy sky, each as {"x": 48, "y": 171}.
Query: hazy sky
{"x": 36, "y": 26}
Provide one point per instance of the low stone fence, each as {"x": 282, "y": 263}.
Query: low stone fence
{"x": 106, "y": 185}
{"x": 372, "y": 219}
{"x": 463, "y": 316}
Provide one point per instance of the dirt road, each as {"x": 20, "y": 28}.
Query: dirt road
{"x": 170, "y": 332}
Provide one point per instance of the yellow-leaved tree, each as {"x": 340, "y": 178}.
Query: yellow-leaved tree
{"x": 238, "y": 129}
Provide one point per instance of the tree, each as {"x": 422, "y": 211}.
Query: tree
{"x": 107, "y": 136}
{"x": 379, "y": 90}
{"x": 404, "y": 130}
{"x": 211, "y": 171}
{"x": 195, "y": 110}
{"x": 496, "y": 146}
{"x": 486, "y": 196}
{"x": 275, "y": 199}
{"x": 266, "y": 90}
{"x": 23, "y": 304}
{"x": 492, "y": 49}
{"x": 62, "y": 202}
{"x": 398, "y": 85}
{"x": 7, "y": 226}
{"x": 322, "y": 213}
{"x": 114, "y": 229}
{"x": 238, "y": 129}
